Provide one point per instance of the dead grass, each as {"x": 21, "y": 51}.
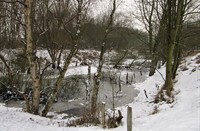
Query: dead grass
{"x": 198, "y": 59}
{"x": 155, "y": 110}
{"x": 183, "y": 68}
{"x": 191, "y": 53}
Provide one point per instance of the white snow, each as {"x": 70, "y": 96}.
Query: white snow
{"x": 181, "y": 115}
{"x": 80, "y": 70}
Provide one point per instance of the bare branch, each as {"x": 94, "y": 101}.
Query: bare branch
{"x": 13, "y": 2}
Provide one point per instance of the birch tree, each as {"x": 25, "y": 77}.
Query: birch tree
{"x": 97, "y": 76}
{"x": 74, "y": 49}
{"x": 32, "y": 60}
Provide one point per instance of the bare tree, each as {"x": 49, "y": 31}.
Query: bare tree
{"x": 97, "y": 76}
{"x": 36, "y": 73}
{"x": 176, "y": 10}
{"x": 73, "y": 51}
{"x": 152, "y": 15}
{"x": 32, "y": 60}
{"x": 10, "y": 20}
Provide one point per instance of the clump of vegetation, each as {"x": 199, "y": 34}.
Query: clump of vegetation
{"x": 88, "y": 120}
{"x": 155, "y": 110}
{"x": 184, "y": 68}
{"x": 21, "y": 62}
{"x": 71, "y": 87}
{"x": 82, "y": 117}
{"x": 115, "y": 121}
{"x": 198, "y": 59}
{"x": 3, "y": 82}
{"x": 85, "y": 120}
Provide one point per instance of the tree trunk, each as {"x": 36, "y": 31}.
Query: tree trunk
{"x": 97, "y": 77}
{"x": 178, "y": 46}
{"x": 151, "y": 47}
{"x": 58, "y": 83}
{"x": 96, "y": 85}
{"x": 169, "y": 81}
{"x": 152, "y": 65}
{"x": 73, "y": 51}
{"x": 173, "y": 26}
{"x": 175, "y": 11}
{"x": 176, "y": 60}
{"x": 35, "y": 76}
{"x": 94, "y": 97}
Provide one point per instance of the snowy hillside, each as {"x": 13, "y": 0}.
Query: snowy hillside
{"x": 182, "y": 115}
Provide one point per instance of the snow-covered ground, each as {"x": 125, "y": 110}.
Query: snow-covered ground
{"x": 181, "y": 115}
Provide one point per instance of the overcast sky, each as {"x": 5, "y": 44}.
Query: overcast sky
{"x": 124, "y": 11}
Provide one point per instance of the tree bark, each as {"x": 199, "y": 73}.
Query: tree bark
{"x": 177, "y": 55}
{"x": 152, "y": 65}
{"x": 176, "y": 62}
{"x": 96, "y": 85}
{"x": 35, "y": 76}
{"x": 169, "y": 80}
{"x": 10, "y": 73}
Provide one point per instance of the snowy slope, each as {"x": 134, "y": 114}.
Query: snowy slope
{"x": 182, "y": 115}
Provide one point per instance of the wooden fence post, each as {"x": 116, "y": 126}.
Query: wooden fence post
{"x": 127, "y": 81}
{"x": 129, "y": 119}
{"x": 88, "y": 85}
{"x": 103, "y": 115}
{"x": 140, "y": 72}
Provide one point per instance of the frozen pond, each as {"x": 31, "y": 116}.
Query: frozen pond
{"x": 108, "y": 90}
